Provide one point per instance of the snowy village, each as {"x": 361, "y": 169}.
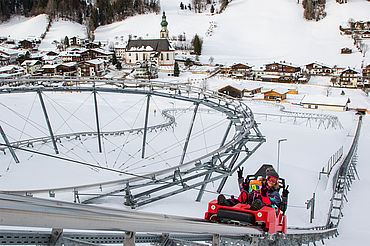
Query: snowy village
{"x": 184, "y": 122}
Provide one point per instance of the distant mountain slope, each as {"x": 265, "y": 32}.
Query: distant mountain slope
{"x": 20, "y": 27}
{"x": 255, "y": 32}
{"x": 274, "y": 30}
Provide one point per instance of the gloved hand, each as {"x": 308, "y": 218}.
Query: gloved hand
{"x": 264, "y": 191}
{"x": 240, "y": 172}
{"x": 285, "y": 192}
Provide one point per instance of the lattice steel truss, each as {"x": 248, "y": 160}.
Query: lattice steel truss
{"x": 195, "y": 174}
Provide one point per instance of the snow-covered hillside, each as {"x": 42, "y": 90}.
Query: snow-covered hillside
{"x": 58, "y": 30}
{"x": 256, "y": 32}
{"x": 20, "y": 27}
{"x": 248, "y": 31}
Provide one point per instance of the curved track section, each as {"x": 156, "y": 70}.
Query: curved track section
{"x": 140, "y": 190}
{"x": 30, "y": 142}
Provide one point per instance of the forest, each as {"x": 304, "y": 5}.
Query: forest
{"x": 91, "y": 13}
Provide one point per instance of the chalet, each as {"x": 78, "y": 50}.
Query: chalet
{"x": 25, "y": 44}
{"x": 91, "y": 68}
{"x": 282, "y": 68}
{"x": 318, "y": 69}
{"x": 349, "y": 77}
{"x": 240, "y": 70}
{"x": 12, "y": 54}
{"x": 251, "y": 90}
{"x": 146, "y": 70}
{"x": 32, "y": 66}
{"x": 75, "y": 41}
{"x": 52, "y": 58}
{"x": 325, "y": 103}
{"x": 159, "y": 51}
{"x": 49, "y": 69}
{"x": 279, "y": 72}
{"x": 346, "y": 51}
{"x": 269, "y": 78}
{"x": 4, "y": 60}
{"x": 11, "y": 71}
{"x": 275, "y": 95}
{"x": 236, "y": 91}
{"x": 241, "y": 67}
{"x": 67, "y": 69}
{"x": 51, "y": 53}
{"x": 366, "y": 72}
{"x": 90, "y": 54}
{"x": 366, "y": 34}
{"x": 92, "y": 45}
{"x": 70, "y": 56}
{"x": 120, "y": 52}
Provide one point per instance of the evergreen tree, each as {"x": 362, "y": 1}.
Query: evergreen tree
{"x": 114, "y": 59}
{"x": 212, "y": 9}
{"x": 197, "y": 43}
{"x": 66, "y": 41}
{"x": 176, "y": 70}
{"x": 181, "y": 6}
{"x": 119, "y": 66}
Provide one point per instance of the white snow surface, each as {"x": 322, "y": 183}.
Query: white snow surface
{"x": 249, "y": 31}
{"x": 59, "y": 30}
{"x": 20, "y": 27}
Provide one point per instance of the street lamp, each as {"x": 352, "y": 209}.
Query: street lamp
{"x": 278, "y": 157}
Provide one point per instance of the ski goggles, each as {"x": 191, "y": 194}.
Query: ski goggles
{"x": 254, "y": 187}
{"x": 272, "y": 179}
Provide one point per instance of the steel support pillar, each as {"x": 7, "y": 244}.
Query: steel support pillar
{"x": 129, "y": 238}
{"x": 189, "y": 134}
{"x": 232, "y": 162}
{"x": 145, "y": 126}
{"x": 55, "y": 236}
{"x": 97, "y": 119}
{"x": 226, "y": 134}
{"x": 216, "y": 240}
{"x": 208, "y": 176}
{"x": 201, "y": 192}
{"x": 9, "y": 146}
{"x": 48, "y": 122}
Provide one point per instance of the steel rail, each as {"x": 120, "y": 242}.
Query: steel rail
{"x": 171, "y": 121}
{"x": 35, "y": 212}
{"x": 236, "y": 111}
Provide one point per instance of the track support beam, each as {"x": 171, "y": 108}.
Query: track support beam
{"x": 129, "y": 238}
{"x": 48, "y": 122}
{"x": 145, "y": 125}
{"x": 216, "y": 240}
{"x": 9, "y": 146}
{"x": 97, "y": 119}
{"x": 189, "y": 134}
{"x": 55, "y": 236}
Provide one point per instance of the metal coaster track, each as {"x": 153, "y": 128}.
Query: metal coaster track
{"x": 26, "y": 211}
{"x": 215, "y": 165}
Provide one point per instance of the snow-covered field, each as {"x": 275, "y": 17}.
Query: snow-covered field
{"x": 254, "y": 32}
{"x": 58, "y": 30}
{"x": 20, "y": 27}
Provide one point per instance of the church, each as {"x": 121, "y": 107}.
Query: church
{"x": 158, "y": 51}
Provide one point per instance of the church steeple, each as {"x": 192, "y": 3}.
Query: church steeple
{"x": 164, "y": 23}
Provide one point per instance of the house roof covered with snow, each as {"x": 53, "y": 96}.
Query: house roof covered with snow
{"x": 30, "y": 62}
{"x": 149, "y": 45}
{"x": 323, "y": 100}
